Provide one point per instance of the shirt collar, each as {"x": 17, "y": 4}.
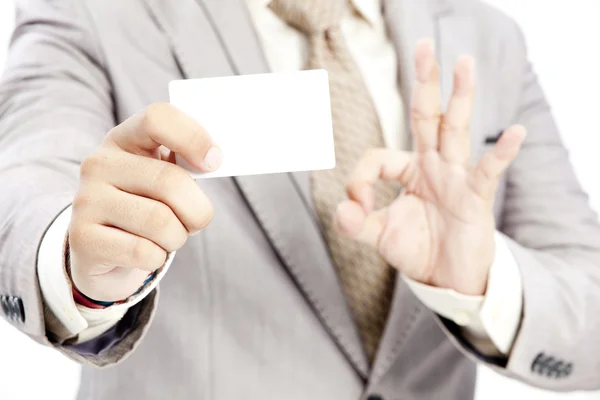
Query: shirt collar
{"x": 369, "y": 10}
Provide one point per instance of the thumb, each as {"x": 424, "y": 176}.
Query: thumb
{"x": 352, "y": 221}
{"x": 162, "y": 125}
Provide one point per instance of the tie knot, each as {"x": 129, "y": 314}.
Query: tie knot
{"x": 309, "y": 16}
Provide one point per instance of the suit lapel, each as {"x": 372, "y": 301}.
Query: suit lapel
{"x": 217, "y": 38}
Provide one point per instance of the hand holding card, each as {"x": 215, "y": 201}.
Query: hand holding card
{"x": 267, "y": 123}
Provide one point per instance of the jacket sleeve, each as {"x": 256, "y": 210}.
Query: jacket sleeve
{"x": 554, "y": 237}
{"x": 55, "y": 108}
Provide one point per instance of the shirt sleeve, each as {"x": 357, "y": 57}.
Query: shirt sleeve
{"x": 69, "y": 319}
{"x": 489, "y": 322}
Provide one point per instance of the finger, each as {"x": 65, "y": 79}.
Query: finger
{"x": 426, "y": 99}
{"x": 106, "y": 205}
{"x": 163, "y": 124}
{"x": 167, "y": 155}
{"x": 485, "y": 177}
{"x": 155, "y": 179}
{"x": 455, "y": 128}
{"x": 106, "y": 245}
{"x": 376, "y": 164}
{"x": 352, "y": 221}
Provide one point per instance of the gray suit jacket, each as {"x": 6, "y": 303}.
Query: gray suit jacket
{"x": 251, "y": 307}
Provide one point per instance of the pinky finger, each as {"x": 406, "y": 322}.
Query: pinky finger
{"x": 494, "y": 162}
{"x": 110, "y": 246}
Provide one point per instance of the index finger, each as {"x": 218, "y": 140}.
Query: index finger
{"x": 164, "y": 124}
{"x": 376, "y": 164}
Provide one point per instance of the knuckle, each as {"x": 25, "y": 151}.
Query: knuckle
{"x": 178, "y": 241}
{"x": 175, "y": 240}
{"x": 351, "y": 186}
{"x": 79, "y": 236}
{"x": 157, "y": 110}
{"x": 146, "y": 255}
{"x": 160, "y": 218}
{"x": 139, "y": 253}
{"x": 153, "y": 115}
{"x": 418, "y": 114}
{"x": 111, "y": 133}
{"x": 169, "y": 176}
{"x": 90, "y": 165}
{"x": 98, "y": 163}
{"x": 82, "y": 200}
{"x": 450, "y": 128}
{"x": 204, "y": 217}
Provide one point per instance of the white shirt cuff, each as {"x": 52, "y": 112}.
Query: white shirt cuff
{"x": 55, "y": 284}
{"x": 492, "y": 319}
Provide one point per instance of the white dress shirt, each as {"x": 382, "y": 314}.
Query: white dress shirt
{"x": 489, "y": 322}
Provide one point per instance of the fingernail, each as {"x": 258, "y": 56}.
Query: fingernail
{"x": 213, "y": 159}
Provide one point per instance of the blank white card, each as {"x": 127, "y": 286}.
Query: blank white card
{"x": 266, "y": 123}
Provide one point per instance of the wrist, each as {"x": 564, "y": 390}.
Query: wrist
{"x": 86, "y": 301}
{"x": 467, "y": 268}
{"x": 83, "y": 300}
{"x": 78, "y": 296}
{"x": 471, "y": 280}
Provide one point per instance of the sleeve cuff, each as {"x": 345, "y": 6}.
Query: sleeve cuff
{"x": 489, "y": 321}
{"x": 502, "y": 307}
{"x": 75, "y": 319}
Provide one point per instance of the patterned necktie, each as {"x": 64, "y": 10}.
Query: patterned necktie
{"x": 367, "y": 280}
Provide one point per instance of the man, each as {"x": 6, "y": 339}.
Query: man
{"x": 315, "y": 285}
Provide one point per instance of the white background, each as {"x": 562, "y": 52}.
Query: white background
{"x": 563, "y": 41}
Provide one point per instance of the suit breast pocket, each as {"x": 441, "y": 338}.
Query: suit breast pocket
{"x": 480, "y": 145}
{"x": 482, "y": 142}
